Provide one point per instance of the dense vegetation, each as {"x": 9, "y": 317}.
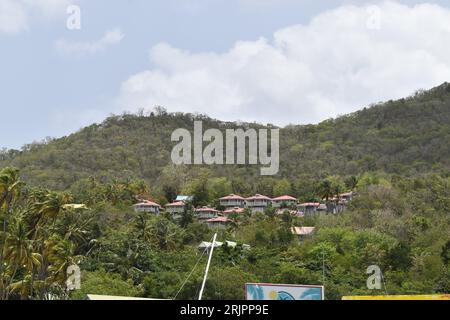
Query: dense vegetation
{"x": 400, "y": 224}
{"x": 395, "y": 155}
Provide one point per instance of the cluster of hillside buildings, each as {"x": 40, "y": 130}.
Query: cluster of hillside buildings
{"x": 235, "y": 204}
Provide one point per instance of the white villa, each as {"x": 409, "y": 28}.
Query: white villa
{"x": 235, "y": 210}
{"x": 206, "y": 213}
{"x": 235, "y": 204}
{"x": 258, "y": 203}
{"x": 232, "y": 201}
{"x": 147, "y": 206}
{"x": 284, "y": 200}
{"x": 218, "y": 223}
{"x": 309, "y": 208}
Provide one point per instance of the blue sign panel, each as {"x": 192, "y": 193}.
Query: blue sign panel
{"x": 263, "y": 291}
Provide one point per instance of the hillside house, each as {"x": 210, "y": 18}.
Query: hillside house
{"x": 258, "y": 203}
{"x": 176, "y": 209}
{"x": 336, "y": 206}
{"x": 235, "y": 210}
{"x": 284, "y": 201}
{"x": 206, "y": 213}
{"x": 309, "y": 208}
{"x": 232, "y": 201}
{"x": 218, "y": 223}
{"x": 347, "y": 197}
{"x": 147, "y": 206}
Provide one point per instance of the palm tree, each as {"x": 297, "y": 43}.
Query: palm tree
{"x": 10, "y": 187}
{"x": 61, "y": 257}
{"x": 57, "y": 256}
{"x": 53, "y": 206}
{"x": 325, "y": 190}
{"x": 44, "y": 215}
{"x": 72, "y": 225}
{"x": 112, "y": 192}
{"x": 38, "y": 240}
{"x": 18, "y": 249}
{"x": 351, "y": 183}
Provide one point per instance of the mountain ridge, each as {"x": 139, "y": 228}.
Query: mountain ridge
{"x": 406, "y": 136}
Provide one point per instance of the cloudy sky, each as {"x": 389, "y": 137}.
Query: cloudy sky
{"x": 271, "y": 61}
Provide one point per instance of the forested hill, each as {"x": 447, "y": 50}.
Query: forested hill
{"x": 408, "y": 137}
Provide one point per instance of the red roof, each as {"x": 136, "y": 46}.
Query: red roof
{"x": 258, "y": 197}
{"x": 176, "y": 204}
{"x": 232, "y": 197}
{"x": 206, "y": 209}
{"x": 285, "y": 198}
{"x": 219, "y": 219}
{"x": 309, "y": 204}
{"x": 234, "y": 210}
{"x": 148, "y": 204}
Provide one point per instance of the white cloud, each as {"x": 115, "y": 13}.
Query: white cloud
{"x": 13, "y": 18}
{"x": 339, "y": 62}
{"x": 16, "y": 15}
{"x": 77, "y": 48}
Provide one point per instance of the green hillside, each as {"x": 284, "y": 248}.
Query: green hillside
{"x": 406, "y": 137}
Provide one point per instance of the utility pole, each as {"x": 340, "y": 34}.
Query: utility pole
{"x": 213, "y": 244}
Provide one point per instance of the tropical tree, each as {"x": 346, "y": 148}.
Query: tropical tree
{"x": 325, "y": 189}
{"x": 10, "y": 188}
{"x": 351, "y": 183}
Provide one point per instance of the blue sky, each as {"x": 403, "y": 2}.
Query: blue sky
{"x": 280, "y": 61}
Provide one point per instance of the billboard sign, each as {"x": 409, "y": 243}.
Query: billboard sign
{"x": 400, "y": 297}
{"x": 268, "y": 291}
